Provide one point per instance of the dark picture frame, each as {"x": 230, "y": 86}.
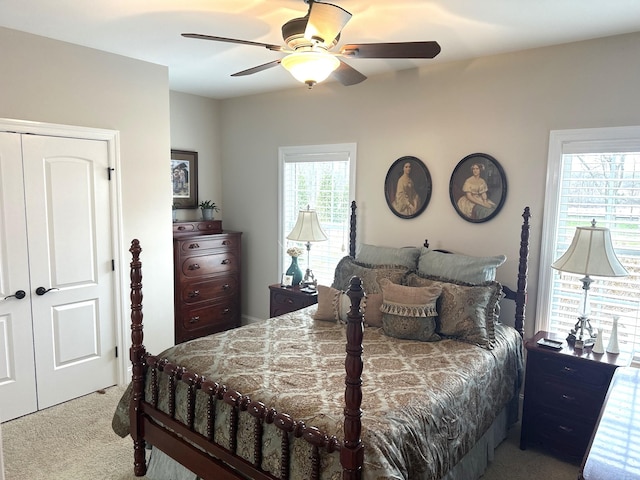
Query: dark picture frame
{"x": 485, "y": 183}
{"x": 408, "y": 193}
{"x": 184, "y": 178}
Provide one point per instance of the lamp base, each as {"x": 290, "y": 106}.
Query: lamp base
{"x": 581, "y": 335}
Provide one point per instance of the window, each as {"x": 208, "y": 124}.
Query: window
{"x": 592, "y": 174}
{"x": 323, "y": 178}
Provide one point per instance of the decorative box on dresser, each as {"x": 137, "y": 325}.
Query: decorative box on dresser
{"x": 563, "y": 394}
{"x": 288, "y": 299}
{"x": 206, "y": 279}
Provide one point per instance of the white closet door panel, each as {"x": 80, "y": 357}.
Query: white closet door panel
{"x": 68, "y": 223}
{"x": 17, "y": 371}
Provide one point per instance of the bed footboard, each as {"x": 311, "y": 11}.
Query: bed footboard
{"x": 197, "y": 450}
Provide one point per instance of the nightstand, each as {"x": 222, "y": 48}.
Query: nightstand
{"x": 287, "y": 299}
{"x": 563, "y": 394}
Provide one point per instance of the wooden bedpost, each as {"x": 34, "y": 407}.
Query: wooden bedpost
{"x": 352, "y": 451}
{"x": 521, "y": 292}
{"x": 137, "y": 355}
{"x": 352, "y": 230}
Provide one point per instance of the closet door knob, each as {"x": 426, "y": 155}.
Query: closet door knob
{"x": 41, "y": 290}
{"x": 20, "y": 294}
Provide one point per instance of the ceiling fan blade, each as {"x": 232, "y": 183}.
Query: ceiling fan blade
{"x": 347, "y": 75}
{"x": 259, "y": 68}
{"x": 326, "y": 21}
{"x": 392, "y": 50}
{"x": 277, "y": 48}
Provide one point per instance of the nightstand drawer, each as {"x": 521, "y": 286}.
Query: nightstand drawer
{"x": 575, "y": 372}
{"x": 567, "y": 436}
{"x": 568, "y": 397}
{"x": 285, "y": 300}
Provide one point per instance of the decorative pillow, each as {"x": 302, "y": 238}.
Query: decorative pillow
{"x": 370, "y": 276}
{"x": 376, "y": 255}
{"x": 465, "y": 311}
{"x": 333, "y": 305}
{"x": 457, "y": 267}
{"x": 409, "y": 312}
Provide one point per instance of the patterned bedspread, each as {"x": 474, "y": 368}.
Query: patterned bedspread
{"x": 424, "y": 406}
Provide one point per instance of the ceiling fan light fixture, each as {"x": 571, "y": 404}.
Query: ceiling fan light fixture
{"x": 310, "y": 67}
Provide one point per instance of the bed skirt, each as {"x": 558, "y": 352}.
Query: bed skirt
{"x": 471, "y": 467}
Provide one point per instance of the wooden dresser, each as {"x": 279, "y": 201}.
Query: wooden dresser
{"x": 206, "y": 279}
{"x": 563, "y": 393}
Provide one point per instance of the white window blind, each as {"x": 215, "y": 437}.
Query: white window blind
{"x": 321, "y": 177}
{"x": 593, "y": 180}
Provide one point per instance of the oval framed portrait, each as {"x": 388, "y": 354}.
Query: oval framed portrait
{"x": 407, "y": 187}
{"x": 478, "y": 187}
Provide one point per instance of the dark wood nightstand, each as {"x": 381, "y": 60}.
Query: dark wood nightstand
{"x": 563, "y": 394}
{"x": 288, "y": 299}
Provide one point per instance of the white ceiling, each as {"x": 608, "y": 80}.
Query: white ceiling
{"x": 150, "y": 30}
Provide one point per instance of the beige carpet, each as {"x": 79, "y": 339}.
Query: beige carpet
{"x": 74, "y": 441}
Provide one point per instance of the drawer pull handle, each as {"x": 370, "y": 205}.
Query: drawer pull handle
{"x": 226, "y": 261}
{"x": 194, "y": 245}
{"x": 194, "y": 266}
{"x": 226, "y": 242}
{"x": 226, "y": 311}
{"x": 182, "y": 228}
{"x": 568, "y": 370}
{"x": 194, "y": 293}
{"x": 565, "y": 429}
{"x": 568, "y": 398}
{"x": 225, "y": 286}
{"x": 289, "y": 301}
{"x": 194, "y": 319}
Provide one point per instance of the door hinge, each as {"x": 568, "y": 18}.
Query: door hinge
{"x": 113, "y": 265}
{"x": 116, "y": 351}
{"x": 109, "y": 170}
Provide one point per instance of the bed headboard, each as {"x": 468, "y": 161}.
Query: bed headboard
{"x": 519, "y": 295}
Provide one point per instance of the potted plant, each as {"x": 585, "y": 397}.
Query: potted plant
{"x": 208, "y": 207}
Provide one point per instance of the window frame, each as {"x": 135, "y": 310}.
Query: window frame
{"x": 311, "y": 153}
{"x": 587, "y": 140}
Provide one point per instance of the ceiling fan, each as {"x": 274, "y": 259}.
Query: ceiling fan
{"x": 309, "y": 41}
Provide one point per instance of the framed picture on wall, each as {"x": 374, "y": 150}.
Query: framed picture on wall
{"x": 184, "y": 178}
{"x": 478, "y": 187}
{"x": 407, "y": 187}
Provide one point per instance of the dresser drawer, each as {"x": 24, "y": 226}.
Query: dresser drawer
{"x": 568, "y": 396}
{"x": 198, "y": 321}
{"x": 183, "y": 228}
{"x": 202, "y": 265}
{"x": 198, "y": 244}
{"x": 194, "y": 292}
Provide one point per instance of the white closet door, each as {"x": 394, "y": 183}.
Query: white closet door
{"x": 70, "y": 256}
{"x": 17, "y": 369}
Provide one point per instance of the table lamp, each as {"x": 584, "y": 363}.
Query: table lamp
{"x": 307, "y": 229}
{"x": 590, "y": 253}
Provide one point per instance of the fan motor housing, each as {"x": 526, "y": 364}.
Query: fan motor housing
{"x": 293, "y": 35}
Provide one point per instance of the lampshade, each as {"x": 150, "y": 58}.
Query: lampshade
{"x": 307, "y": 228}
{"x": 310, "y": 67}
{"x": 591, "y": 253}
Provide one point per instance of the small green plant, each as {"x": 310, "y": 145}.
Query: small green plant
{"x": 206, "y": 204}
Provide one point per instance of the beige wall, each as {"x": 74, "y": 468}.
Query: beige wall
{"x": 503, "y": 105}
{"x": 49, "y": 81}
{"x": 195, "y": 126}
